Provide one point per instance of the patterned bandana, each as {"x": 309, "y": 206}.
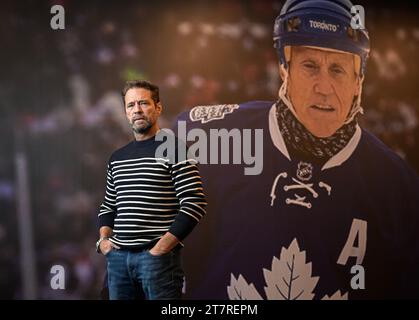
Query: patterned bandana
{"x": 297, "y": 137}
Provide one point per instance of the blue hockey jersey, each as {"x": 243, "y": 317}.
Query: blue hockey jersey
{"x": 346, "y": 229}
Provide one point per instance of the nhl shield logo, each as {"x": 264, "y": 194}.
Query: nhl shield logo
{"x": 208, "y": 113}
{"x": 304, "y": 171}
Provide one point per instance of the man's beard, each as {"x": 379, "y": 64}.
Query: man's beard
{"x": 142, "y": 129}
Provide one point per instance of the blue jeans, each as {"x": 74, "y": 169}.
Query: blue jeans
{"x": 138, "y": 274}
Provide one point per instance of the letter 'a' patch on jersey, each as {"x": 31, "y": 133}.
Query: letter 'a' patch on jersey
{"x": 208, "y": 113}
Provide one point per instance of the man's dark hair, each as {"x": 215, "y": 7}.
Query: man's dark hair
{"x": 154, "y": 89}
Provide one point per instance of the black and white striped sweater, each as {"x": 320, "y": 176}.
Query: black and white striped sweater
{"x": 148, "y": 196}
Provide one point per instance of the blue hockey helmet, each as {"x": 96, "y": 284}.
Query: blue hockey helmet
{"x": 320, "y": 23}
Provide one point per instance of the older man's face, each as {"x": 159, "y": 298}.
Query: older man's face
{"x": 322, "y": 85}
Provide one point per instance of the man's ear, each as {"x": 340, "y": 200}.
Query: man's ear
{"x": 159, "y": 107}
{"x": 282, "y": 70}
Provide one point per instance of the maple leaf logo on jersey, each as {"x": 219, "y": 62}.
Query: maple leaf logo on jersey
{"x": 208, "y": 113}
{"x": 304, "y": 171}
{"x": 289, "y": 279}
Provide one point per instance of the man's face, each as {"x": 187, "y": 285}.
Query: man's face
{"x": 142, "y": 112}
{"x": 322, "y": 85}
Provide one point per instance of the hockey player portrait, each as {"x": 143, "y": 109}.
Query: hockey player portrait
{"x": 334, "y": 212}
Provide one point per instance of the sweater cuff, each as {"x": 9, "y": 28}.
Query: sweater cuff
{"x": 182, "y": 226}
{"x": 106, "y": 220}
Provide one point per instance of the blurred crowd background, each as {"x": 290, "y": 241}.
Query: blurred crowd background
{"x": 61, "y": 109}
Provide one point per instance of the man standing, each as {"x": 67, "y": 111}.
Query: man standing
{"x": 151, "y": 205}
{"x": 334, "y": 213}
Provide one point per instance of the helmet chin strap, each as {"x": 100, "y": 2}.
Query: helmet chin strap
{"x": 356, "y": 105}
{"x": 283, "y": 92}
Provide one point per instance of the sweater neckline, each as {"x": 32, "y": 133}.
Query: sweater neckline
{"x": 143, "y": 143}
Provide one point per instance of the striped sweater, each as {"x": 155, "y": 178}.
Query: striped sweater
{"x": 148, "y": 196}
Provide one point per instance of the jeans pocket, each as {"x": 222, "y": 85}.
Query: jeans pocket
{"x": 108, "y": 253}
{"x": 167, "y": 254}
